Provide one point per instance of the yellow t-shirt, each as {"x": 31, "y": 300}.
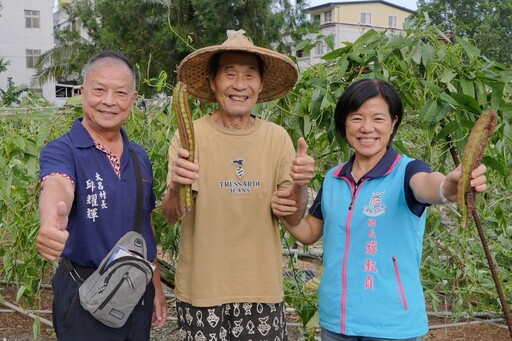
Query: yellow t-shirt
{"x": 230, "y": 246}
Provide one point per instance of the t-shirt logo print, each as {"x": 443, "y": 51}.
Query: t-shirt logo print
{"x": 240, "y": 168}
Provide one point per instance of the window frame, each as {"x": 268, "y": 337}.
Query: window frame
{"x": 366, "y": 18}
{"x": 32, "y": 56}
{"x": 393, "y": 21}
{"x": 32, "y": 18}
{"x": 328, "y": 16}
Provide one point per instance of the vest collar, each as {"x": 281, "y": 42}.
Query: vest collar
{"x": 382, "y": 168}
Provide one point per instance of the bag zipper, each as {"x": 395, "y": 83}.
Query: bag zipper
{"x": 123, "y": 259}
{"x": 109, "y": 297}
{"x": 105, "y": 282}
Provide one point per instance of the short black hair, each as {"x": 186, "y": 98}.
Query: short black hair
{"x": 358, "y": 93}
{"x": 215, "y": 61}
{"x": 109, "y": 54}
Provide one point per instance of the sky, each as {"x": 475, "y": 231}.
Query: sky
{"x": 410, "y": 4}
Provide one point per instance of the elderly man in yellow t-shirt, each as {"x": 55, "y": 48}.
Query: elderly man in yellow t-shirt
{"x": 229, "y": 283}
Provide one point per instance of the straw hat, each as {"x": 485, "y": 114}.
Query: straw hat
{"x": 279, "y": 77}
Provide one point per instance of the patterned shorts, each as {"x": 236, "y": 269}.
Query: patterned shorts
{"x": 232, "y": 321}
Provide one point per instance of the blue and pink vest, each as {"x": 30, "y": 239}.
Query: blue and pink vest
{"x": 372, "y": 252}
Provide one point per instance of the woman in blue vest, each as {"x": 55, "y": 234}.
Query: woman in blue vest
{"x": 371, "y": 213}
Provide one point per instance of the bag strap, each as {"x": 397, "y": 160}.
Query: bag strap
{"x": 140, "y": 194}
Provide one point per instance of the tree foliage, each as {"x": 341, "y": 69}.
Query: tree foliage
{"x": 157, "y": 34}
{"x": 487, "y": 22}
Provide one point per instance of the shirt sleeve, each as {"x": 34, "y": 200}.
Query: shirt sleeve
{"x": 56, "y": 158}
{"x": 414, "y": 167}
{"x": 316, "y": 208}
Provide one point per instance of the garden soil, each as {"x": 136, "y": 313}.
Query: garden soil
{"x": 17, "y": 327}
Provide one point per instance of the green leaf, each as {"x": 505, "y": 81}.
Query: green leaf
{"x": 447, "y": 130}
{"x": 496, "y": 164}
{"x": 448, "y": 99}
{"x": 506, "y": 75}
{"x": 20, "y": 292}
{"x": 497, "y": 94}
{"x": 468, "y": 47}
{"x": 303, "y": 44}
{"x": 432, "y": 87}
{"x": 342, "y": 66}
{"x": 428, "y": 111}
{"x": 416, "y": 55}
{"x": 314, "y": 321}
{"x": 368, "y": 37}
{"x": 448, "y": 76}
{"x": 329, "y": 41}
{"x": 316, "y": 101}
{"x": 427, "y": 54}
{"x": 467, "y": 102}
{"x": 467, "y": 86}
{"x": 36, "y": 328}
{"x": 306, "y": 124}
{"x": 442, "y": 113}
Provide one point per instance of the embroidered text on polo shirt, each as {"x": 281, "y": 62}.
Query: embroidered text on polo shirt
{"x": 375, "y": 208}
{"x": 96, "y": 198}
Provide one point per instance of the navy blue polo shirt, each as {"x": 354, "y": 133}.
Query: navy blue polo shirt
{"x": 104, "y": 204}
{"x": 381, "y": 169}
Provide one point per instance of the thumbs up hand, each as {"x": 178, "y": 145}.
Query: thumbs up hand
{"x": 53, "y": 235}
{"x": 303, "y": 166}
{"x": 290, "y": 204}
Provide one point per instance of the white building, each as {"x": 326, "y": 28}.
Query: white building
{"x": 26, "y": 32}
{"x": 349, "y": 20}
{"x": 66, "y": 88}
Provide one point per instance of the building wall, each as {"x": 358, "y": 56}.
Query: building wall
{"x": 16, "y": 39}
{"x": 344, "y": 23}
{"x": 350, "y": 13}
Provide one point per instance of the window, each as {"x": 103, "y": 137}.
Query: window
{"x": 32, "y": 19}
{"x": 392, "y": 21}
{"x": 32, "y": 57}
{"x": 366, "y": 18}
{"x": 66, "y": 90}
{"x": 316, "y": 19}
{"x": 327, "y": 16}
{"x": 319, "y": 49}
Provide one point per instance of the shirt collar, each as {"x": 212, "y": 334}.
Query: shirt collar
{"x": 81, "y": 137}
{"x": 383, "y": 167}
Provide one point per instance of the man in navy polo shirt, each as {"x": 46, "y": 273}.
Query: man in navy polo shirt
{"x": 88, "y": 199}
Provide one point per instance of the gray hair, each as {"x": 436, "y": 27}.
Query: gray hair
{"x": 109, "y": 54}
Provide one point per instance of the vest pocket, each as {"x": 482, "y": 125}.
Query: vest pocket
{"x": 403, "y": 298}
